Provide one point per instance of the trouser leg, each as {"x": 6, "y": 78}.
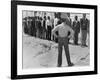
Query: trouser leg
{"x": 50, "y": 35}
{"x": 43, "y": 34}
{"x": 66, "y": 47}
{"x": 47, "y": 33}
{"x": 60, "y": 53}
{"x": 84, "y": 36}
{"x": 76, "y": 38}
{"x": 37, "y": 33}
{"x": 68, "y": 35}
{"x": 56, "y": 39}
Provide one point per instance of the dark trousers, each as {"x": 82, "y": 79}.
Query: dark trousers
{"x": 76, "y": 37}
{"x": 56, "y": 39}
{"x": 68, "y": 35}
{"x": 26, "y": 30}
{"x": 84, "y": 37}
{"x": 33, "y": 31}
{"x": 49, "y": 32}
{"x": 63, "y": 42}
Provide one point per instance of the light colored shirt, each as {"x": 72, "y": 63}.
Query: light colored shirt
{"x": 48, "y": 23}
{"x": 63, "y": 30}
{"x": 55, "y": 21}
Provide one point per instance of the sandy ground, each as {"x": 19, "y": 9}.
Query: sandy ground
{"x": 39, "y": 53}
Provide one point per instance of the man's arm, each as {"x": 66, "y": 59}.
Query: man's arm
{"x": 54, "y": 31}
{"x": 72, "y": 33}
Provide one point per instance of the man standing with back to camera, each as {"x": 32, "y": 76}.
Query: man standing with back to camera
{"x": 63, "y": 36}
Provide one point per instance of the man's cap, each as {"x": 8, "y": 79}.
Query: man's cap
{"x": 64, "y": 15}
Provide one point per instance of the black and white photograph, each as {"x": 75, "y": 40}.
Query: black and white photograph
{"x": 54, "y": 39}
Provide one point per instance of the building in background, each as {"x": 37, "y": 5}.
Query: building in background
{"x": 27, "y": 13}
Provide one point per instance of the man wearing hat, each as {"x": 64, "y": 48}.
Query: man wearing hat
{"x": 63, "y": 30}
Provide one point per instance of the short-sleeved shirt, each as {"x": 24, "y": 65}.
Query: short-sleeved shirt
{"x": 63, "y": 30}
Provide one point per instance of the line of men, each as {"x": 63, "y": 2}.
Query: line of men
{"x": 38, "y": 27}
{"x": 42, "y": 27}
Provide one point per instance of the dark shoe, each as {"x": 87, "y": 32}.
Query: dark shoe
{"x": 58, "y": 65}
{"x": 76, "y": 43}
{"x": 71, "y": 64}
{"x": 85, "y": 45}
{"x": 82, "y": 46}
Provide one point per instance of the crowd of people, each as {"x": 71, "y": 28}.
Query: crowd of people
{"x": 41, "y": 27}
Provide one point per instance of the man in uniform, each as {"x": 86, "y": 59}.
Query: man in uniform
{"x": 84, "y": 27}
{"x": 63, "y": 30}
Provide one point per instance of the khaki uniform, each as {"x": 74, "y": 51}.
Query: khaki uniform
{"x": 63, "y": 41}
